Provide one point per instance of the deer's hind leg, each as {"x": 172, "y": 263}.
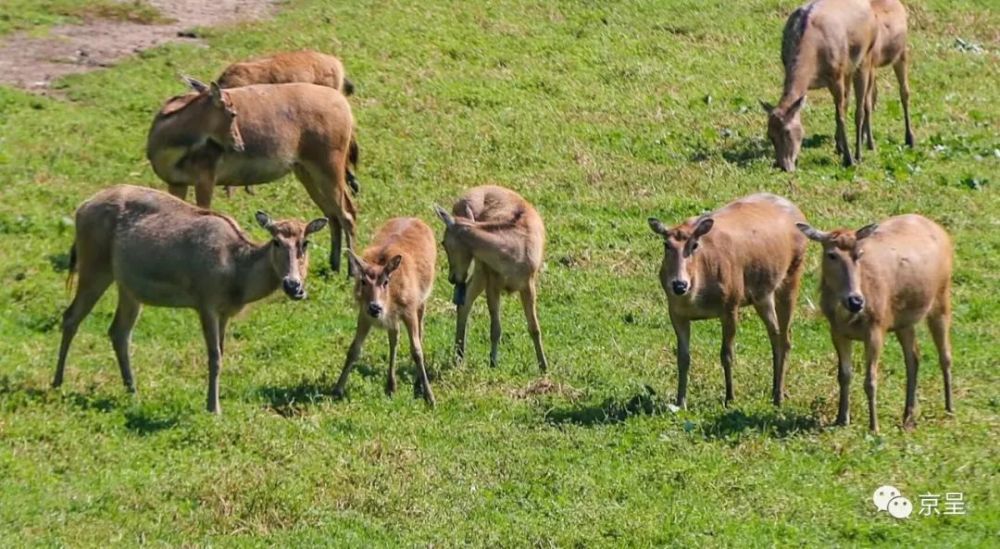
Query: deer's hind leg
{"x": 839, "y": 89}
{"x": 902, "y": 76}
{"x": 529, "y": 301}
{"x": 327, "y": 187}
{"x": 767, "y": 311}
{"x": 120, "y": 333}
{"x": 939, "y": 322}
{"x": 95, "y": 277}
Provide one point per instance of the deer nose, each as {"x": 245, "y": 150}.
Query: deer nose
{"x": 375, "y": 310}
{"x": 293, "y": 288}
{"x": 680, "y": 287}
{"x": 855, "y": 303}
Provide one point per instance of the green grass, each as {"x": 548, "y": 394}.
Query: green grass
{"x": 601, "y": 115}
{"x": 39, "y": 14}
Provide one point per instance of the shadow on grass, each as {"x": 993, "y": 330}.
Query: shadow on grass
{"x": 146, "y": 422}
{"x": 610, "y": 411}
{"x": 747, "y": 151}
{"x": 777, "y": 424}
{"x": 292, "y": 400}
{"x": 816, "y": 141}
{"x": 15, "y": 396}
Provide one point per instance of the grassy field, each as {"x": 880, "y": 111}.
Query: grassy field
{"x": 601, "y": 114}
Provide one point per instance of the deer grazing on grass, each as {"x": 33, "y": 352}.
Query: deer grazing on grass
{"x": 826, "y": 43}
{"x": 394, "y": 278}
{"x": 498, "y": 236}
{"x": 164, "y": 252}
{"x": 298, "y": 66}
{"x": 890, "y": 49}
{"x": 746, "y": 253}
{"x": 195, "y": 140}
{"x": 886, "y": 278}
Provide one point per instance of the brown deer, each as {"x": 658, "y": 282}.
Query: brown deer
{"x": 303, "y": 128}
{"x": 297, "y": 66}
{"x": 395, "y": 276}
{"x": 886, "y": 278}
{"x": 746, "y": 253}
{"x": 498, "y": 236}
{"x": 890, "y": 49}
{"x": 164, "y": 252}
{"x": 826, "y": 43}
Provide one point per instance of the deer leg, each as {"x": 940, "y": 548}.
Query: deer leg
{"x": 475, "y": 287}
{"x": 180, "y": 191}
{"x": 493, "y": 302}
{"x": 908, "y": 341}
{"x": 729, "y": 320}
{"x": 939, "y": 324}
{"x": 873, "y": 348}
{"x": 839, "y": 90}
{"x": 352, "y": 354}
{"x": 529, "y": 300}
{"x": 229, "y": 191}
{"x": 325, "y": 189}
{"x": 210, "y": 329}
{"x": 120, "y": 333}
{"x": 860, "y": 104}
{"x": 421, "y": 384}
{"x": 390, "y": 381}
{"x": 843, "y": 347}
{"x": 785, "y": 307}
{"x": 870, "y": 97}
{"x": 682, "y": 329}
{"x": 901, "y": 70}
{"x": 91, "y": 287}
{"x": 766, "y": 310}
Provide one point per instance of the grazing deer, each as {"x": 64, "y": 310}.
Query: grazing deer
{"x": 504, "y": 235}
{"x": 826, "y": 43}
{"x": 886, "y": 278}
{"x": 395, "y": 276}
{"x": 746, "y": 253}
{"x": 890, "y": 49}
{"x": 164, "y": 252}
{"x": 285, "y": 68}
{"x": 195, "y": 140}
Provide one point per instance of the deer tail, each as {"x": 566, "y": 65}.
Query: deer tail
{"x": 348, "y": 86}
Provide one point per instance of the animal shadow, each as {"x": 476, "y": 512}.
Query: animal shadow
{"x": 610, "y": 411}
{"x": 145, "y": 422}
{"x": 292, "y": 400}
{"x": 816, "y": 141}
{"x": 746, "y": 152}
{"x": 778, "y": 424}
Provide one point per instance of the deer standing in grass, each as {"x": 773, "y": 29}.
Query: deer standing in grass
{"x": 164, "y": 252}
{"x": 746, "y": 253}
{"x": 296, "y": 66}
{"x": 890, "y": 49}
{"x": 495, "y": 240}
{"x": 302, "y": 128}
{"x": 395, "y": 276}
{"x": 826, "y": 43}
{"x": 886, "y": 278}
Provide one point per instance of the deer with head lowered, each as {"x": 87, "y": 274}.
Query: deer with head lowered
{"x": 826, "y": 43}
{"x": 494, "y": 239}
{"x": 746, "y": 253}
{"x": 296, "y": 66}
{"x": 395, "y": 276}
{"x": 258, "y": 134}
{"x": 886, "y": 277}
{"x": 164, "y": 252}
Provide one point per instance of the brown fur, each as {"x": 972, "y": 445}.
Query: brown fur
{"x": 298, "y": 66}
{"x": 895, "y": 274}
{"x": 505, "y": 237}
{"x": 287, "y": 67}
{"x": 890, "y": 49}
{"x": 164, "y": 252}
{"x": 395, "y": 276}
{"x": 826, "y": 43}
{"x": 747, "y": 253}
{"x": 258, "y": 134}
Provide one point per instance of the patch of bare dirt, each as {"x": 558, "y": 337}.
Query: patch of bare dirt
{"x": 33, "y": 63}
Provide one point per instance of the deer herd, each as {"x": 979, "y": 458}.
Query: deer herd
{"x": 288, "y": 113}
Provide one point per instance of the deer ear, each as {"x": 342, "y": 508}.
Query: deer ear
{"x": 315, "y": 225}
{"x": 357, "y": 265}
{"x": 469, "y": 213}
{"x": 866, "y": 231}
{"x": 195, "y": 84}
{"x": 217, "y": 99}
{"x": 766, "y": 106}
{"x": 657, "y": 227}
{"x": 703, "y": 226}
{"x": 445, "y": 216}
{"x": 264, "y": 221}
{"x": 811, "y": 233}
{"x": 793, "y": 110}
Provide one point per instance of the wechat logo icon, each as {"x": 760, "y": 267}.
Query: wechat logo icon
{"x": 890, "y": 499}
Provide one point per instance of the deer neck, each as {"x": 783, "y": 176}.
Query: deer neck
{"x": 489, "y": 247}
{"x": 799, "y": 75}
{"x": 255, "y": 275}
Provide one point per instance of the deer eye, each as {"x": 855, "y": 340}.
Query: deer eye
{"x": 831, "y": 255}
{"x": 694, "y": 246}
{"x": 275, "y": 243}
